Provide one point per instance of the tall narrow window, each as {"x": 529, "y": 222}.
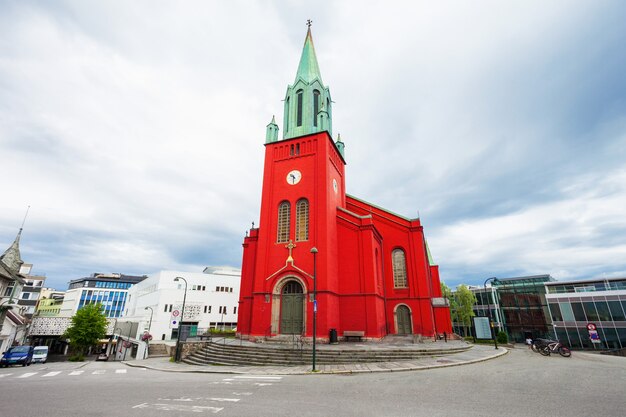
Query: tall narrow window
{"x": 284, "y": 212}
{"x": 399, "y": 268}
{"x": 299, "y": 93}
{"x": 302, "y": 220}
{"x": 287, "y": 115}
{"x": 316, "y": 106}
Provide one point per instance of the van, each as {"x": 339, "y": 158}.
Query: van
{"x": 17, "y": 355}
{"x": 40, "y": 354}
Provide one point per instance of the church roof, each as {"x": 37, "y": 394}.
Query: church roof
{"x": 308, "y": 69}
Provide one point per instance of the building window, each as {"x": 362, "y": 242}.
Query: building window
{"x": 209, "y": 309}
{"x": 399, "y": 268}
{"x": 299, "y": 94}
{"x": 287, "y": 116}
{"x": 302, "y": 220}
{"x": 284, "y": 213}
{"x": 234, "y": 310}
{"x": 205, "y": 309}
{"x": 316, "y": 106}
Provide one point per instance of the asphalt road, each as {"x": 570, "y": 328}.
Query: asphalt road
{"x": 521, "y": 383}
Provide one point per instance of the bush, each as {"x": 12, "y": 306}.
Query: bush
{"x": 502, "y": 337}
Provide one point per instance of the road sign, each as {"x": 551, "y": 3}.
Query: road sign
{"x": 481, "y": 325}
{"x": 591, "y": 326}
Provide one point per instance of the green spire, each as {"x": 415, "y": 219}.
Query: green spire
{"x": 308, "y": 70}
{"x": 271, "y": 131}
{"x": 307, "y": 102}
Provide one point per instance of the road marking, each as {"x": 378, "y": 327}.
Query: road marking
{"x": 242, "y": 393}
{"x": 98, "y": 372}
{"x": 120, "y": 371}
{"x": 178, "y": 407}
{"x": 51, "y": 374}
{"x": 76, "y": 373}
{"x": 262, "y": 384}
{"x": 189, "y": 399}
{"x": 3, "y": 375}
{"x": 27, "y": 374}
{"x": 259, "y": 377}
{"x": 228, "y": 379}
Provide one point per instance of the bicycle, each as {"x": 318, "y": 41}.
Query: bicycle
{"x": 546, "y": 347}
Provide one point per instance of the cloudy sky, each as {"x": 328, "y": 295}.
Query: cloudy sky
{"x": 135, "y": 130}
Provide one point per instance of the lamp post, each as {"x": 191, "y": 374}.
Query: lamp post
{"x": 151, "y": 313}
{"x": 149, "y": 327}
{"x": 180, "y": 323}
{"x": 491, "y": 326}
{"x": 314, "y": 252}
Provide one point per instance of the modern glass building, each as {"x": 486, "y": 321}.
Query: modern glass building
{"x": 110, "y": 290}
{"x": 589, "y": 314}
{"x": 523, "y": 305}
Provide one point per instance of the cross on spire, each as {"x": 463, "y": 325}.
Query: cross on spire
{"x": 309, "y": 22}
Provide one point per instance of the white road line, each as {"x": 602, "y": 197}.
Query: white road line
{"x": 51, "y": 374}
{"x": 98, "y": 372}
{"x": 120, "y": 371}
{"x": 3, "y": 375}
{"x": 76, "y": 373}
{"x": 27, "y": 374}
{"x": 178, "y": 407}
{"x": 242, "y": 393}
{"x": 259, "y": 377}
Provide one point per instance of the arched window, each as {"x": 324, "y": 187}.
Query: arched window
{"x": 399, "y": 268}
{"x": 302, "y": 220}
{"x": 316, "y": 106}
{"x": 299, "y": 93}
{"x": 287, "y": 115}
{"x": 284, "y": 213}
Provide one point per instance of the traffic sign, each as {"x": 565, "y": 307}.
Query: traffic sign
{"x": 591, "y": 326}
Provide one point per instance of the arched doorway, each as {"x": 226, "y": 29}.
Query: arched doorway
{"x": 291, "y": 308}
{"x": 403, "y": 320}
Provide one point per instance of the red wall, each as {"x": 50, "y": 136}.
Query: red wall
{"x": 354, "y": 240}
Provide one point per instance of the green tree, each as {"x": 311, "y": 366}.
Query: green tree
{"x": 465, "y": 300}
{"x": 446, "y": 292}
{"x": 88, "y": 327}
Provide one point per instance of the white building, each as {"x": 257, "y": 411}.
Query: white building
{"x": 211, "y": 302}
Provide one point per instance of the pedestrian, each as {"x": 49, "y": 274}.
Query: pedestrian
{"x": 529, "y": 342}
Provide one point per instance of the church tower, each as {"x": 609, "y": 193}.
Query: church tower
{"x": 373, "y": 274}
{"x": 303, "y": 184}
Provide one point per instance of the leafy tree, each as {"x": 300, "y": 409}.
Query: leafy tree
{"x": 88, "y": 327}
{"x": 446, "y": 292}
{"x": 465, "y": 300}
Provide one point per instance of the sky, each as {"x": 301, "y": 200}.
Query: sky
{"x": 135, "y": 130}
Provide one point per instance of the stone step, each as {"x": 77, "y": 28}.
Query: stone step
{"x": 245, "y": 355}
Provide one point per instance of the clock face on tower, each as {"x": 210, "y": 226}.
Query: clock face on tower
{"x": 294, "y": 177}
{"x": 335, "y": 185}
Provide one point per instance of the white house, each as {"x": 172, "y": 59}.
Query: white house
{"x": 211, "y": 301}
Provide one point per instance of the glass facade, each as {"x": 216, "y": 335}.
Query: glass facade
{"x": 575, "y": 305}
{"x": 522, "y": 302}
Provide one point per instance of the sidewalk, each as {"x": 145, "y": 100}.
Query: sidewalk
{"x": 477, "y": 353}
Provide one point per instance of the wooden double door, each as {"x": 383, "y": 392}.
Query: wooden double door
{"x": 292, "y": 309}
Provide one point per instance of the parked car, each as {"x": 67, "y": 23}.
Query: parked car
{"x": 17, "y": 355}
{"x": 102, "y": 357}
{"x": 40, "y": 354}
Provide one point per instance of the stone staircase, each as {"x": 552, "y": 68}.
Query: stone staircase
{"x": 157, "y": 350}
{"x": 225, "y": 354}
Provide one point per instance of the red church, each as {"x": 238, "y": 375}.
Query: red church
{"x": 375, "y": 276}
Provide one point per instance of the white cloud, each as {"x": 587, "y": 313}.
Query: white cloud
{"x": 135, "y": 130}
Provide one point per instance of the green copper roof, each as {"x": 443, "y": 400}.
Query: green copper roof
{"x": 430, "y": 257}
{"x": 308, "y": 69}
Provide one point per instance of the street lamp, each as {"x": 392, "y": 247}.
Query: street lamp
{"x": 180, "y": 323}
{"x": 149, "y": 327}
{"x": 491, "y": 326}
{"x": 314, "y": 252}
{"x": 151, "y": 313}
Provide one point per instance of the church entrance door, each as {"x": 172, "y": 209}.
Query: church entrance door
{"x": 291, "y": 308}
{"x": 403, "y": 316}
